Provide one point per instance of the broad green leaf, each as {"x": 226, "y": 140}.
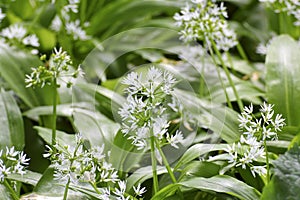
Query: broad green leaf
{"x": 30, "y": 177}
{"x": 165, "y": 192}
{"x": 11, "y": 122}
{"x": 95, "y": 127}
{"x": 283, "y": 78}
{"x": 200, "y": 169}
{"x": 285, "y": 181}
{"x": 143, "y": 174}
{"x": 223, "y": 184}
{"x": 62, "y": 138}
{"x": 47, "y": 186}
{"x": 218, "y": 118}
{"x": 13, "y": 67}
{"x": 196, "y": 151}
{"x": 4, "y": 193}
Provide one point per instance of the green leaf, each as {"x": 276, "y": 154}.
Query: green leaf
{"x": 142, "y": 174}
{"x": 30, "y": 177}
{"x": 165, "y": 192}
{"x": 196, "y": 151}
{"x": 283, "y": 78}
{"x": 4, "y": 193}
{"x": 215, "y": 117}
{"x": 62, "y": 138}
{"x": 13, "y": 67}
{"x": 11, "y": 122}
{"x": 223, "y": 184}
{"x": 285, "y": 181}
{"x": 47, "y": 186}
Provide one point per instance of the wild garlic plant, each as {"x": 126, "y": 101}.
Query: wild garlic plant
{"x": 205, "y": 21}
{"x": 252, "y": 146}
{"x": 59, "y": 68}
{"x": 77, "y": 164}
{"x": 12, "y": 162}
{"x": 291, "y": 7}
{"x": 144, "y": 117}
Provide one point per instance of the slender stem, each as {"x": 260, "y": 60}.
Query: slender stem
{"x": 242, "y": 52}
{"x": 54, "y": 112}
{"x": 154, "y": 164}
{"x": 11, "y": 190}
{"x": 267, "y": 161}
{"x": 166, "y": 163}
{"x": 66, "y": 189}
{"x": 221, "y": 80}
{"x": 240, "y": 103}
{"x": 95, "y": 187}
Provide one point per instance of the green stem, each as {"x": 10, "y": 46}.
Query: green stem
{"x": 95, "y": 187}
{"x": 154, "y": 164}
{"x": 166, "y": 163}
{"x": 221, "y": 80}
{"x": 242, "y": 52}
{"x": 11, "y": 190}
{"x": 240, "y": 103}
{"x": 66, "y": 190}
{"x": 267, "y": 161}
{"x": 54, "y": 112}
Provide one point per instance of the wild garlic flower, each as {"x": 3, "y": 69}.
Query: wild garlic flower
{"x": 144, "y": 113}
{"x": 12, "y": 162}
{"x": 69, "y": 17}
{"x": 2, "y": 15}
{"x": 204, "y": 20}
{"x": 79, "y": 164}
{"x": 251, "y": 148}
{"x": 291, "y": 7}
{"x": 17, "y": 35}
{"x": 60, "y": 65}
{"x": 73, "y": 28}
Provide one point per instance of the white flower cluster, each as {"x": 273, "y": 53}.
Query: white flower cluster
{"x": 17, "y": 35}
{"x": 2, "y": 15}
{"x": 78, "y": 164}
{"x": 292, "y": 7}
{"x": 59, "y": 67}
{"x": 251, "y": 148}
{"x": 144, "y": 113}
{"x": 204, "y": 20}
{"x": 72, "y": 27}
{"x": 12, "y": 162}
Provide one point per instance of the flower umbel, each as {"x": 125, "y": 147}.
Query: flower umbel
{"x": 60, "y": 65}
{"x": 12, "y": 162}
{"x": 251, "y": 147}
{"x": 204, "y": 20}
{"x": 143, "y": 114}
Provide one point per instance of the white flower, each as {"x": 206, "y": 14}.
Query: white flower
{"x": 31, "y": 40}
{"x": 56, "y": 24}
{"x": 14, "y": 31}
{"x": 2, "y": 15}
{"x": 175, "y": 139}
{"x": 138, "y": 190}
{"x": 73, "y": 28}
{"x": 204, "y": 20}
{"x": 260, "y": 170}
